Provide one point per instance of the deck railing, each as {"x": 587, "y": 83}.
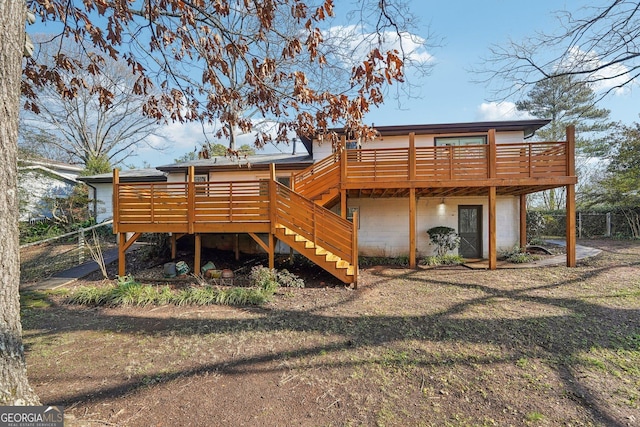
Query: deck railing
{"x": 190, "y": 207}
{"x": 468, "y": 165}
{"x": 315, "y": 223}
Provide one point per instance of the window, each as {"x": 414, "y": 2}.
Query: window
{"x": 201, "y": 189}
{"x": 460, "y": 140}
{"x": 284, "y": 180}
{"x": 350, "y": 212}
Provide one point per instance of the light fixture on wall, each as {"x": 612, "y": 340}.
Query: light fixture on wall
{"x": 442, "y": 201}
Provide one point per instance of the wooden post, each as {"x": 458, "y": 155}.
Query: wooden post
{"x": 191, "y": 200}
{"x": 354, "y": 248}
{"x": 272, "y": 250}
{"x": 571, "y": 225}
{"x": 344, "y": 159}
{"x": 412, "y": 228}
{"x": 492, "y": 154}
{"x": 236, "y": 246}
{"x": 412, "y": 157}
{"x": 571, "y": 197}
{"x": 116, "y": 201}
{"x": 273, "y": 211}
{"x": 343, "y": 204}
{"x": 493, "y": 253}
{"x": 198, "y": 253}
{"x": 122, "y": 261}
{"x": 523, "y": 220}
{"x": 174, "y": 241}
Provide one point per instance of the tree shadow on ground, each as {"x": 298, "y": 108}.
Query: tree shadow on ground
{"x": 559, "y": 338}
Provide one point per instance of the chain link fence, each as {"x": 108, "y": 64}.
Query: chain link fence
{"x": 589, "y": 224}
{"x": 42, "y": 259}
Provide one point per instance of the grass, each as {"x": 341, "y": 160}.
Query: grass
{"x": 128, "y": 292}
{"x": 420, "y": 348}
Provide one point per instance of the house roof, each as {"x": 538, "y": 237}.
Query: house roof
{"x": 257, "y": 161}
{"x": 130, "y": 175}
{"x": 50, "y": 164}
{"x": 527, "y": 126}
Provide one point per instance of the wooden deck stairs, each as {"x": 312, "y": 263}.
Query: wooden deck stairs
{"x": 330, "y": 262}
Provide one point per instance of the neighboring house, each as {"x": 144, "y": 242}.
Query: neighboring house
{"x": 101, "y": 188}
{"x": 39, "y": 182}
{"x": 468, "y": 176}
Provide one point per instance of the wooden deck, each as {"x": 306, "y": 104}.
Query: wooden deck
{"x": 298, "y": 216}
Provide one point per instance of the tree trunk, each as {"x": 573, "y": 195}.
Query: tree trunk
{"x": 14, "y": 386}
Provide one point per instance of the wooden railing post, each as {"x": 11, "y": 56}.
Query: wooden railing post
{"x": 343, "y": 161}
{"x": 191, "y": 200}
{"x": 492, "y": 154}
{"x": 412, "y": 156}
{"x": 116, "y": 200}
{"x": 571, "y": 150}
{"x": 273, "y": 209}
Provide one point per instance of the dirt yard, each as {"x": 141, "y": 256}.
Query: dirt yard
{"x": 441, "y": 347}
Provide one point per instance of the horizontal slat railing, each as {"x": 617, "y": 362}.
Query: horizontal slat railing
{"x": 382, "y": 164}
{"x": 457, "y": 163}
{"x": 152, "y": 203}
{"x": 319, "y": 177}
{"x": 315, "y": 223}
{"x": 536, "y": 159}
{"x": 231, "y": 202}
{"x": 450, "y": 163}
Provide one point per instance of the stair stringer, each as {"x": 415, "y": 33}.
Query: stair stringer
{"x": 328, "y": 261}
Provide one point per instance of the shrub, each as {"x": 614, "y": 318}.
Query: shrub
{"x": 518, "y": 255}
{"x": 447, "y": 259}
{"x": 445, "y": 238}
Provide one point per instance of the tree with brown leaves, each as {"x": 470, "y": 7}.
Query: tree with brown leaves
{"x": 190, "y": 65}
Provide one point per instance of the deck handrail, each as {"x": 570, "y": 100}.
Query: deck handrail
{"x": 319, "y": 177}
{"x": 434, "y": 163}
{"x": 315, "y": 223}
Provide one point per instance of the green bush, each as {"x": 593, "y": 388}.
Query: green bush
{"x": 447, "y": 259}
{"x": 518, "y": 255}
{"x": 445, "y": 238}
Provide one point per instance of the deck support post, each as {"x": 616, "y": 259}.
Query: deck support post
{"x": 123, "y": 246}
{"x": 122, "y": 258}
{"x": 412, "y": 228}
{"x": 571, "y": 197}
{"x": 493, "y": 253}
{"x": 272, "y": 250}
{"x": 523, "y": 221}
{"x": 174, "y": 244}
{"x": 236, "y": 246}
{"x": 198, "y": 254}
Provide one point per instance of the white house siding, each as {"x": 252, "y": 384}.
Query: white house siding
{"x": 384, "y": 223}
{"x": 242, "y": 175}
{"x": 104, "y": 204}
{"x": 35, "y": 187}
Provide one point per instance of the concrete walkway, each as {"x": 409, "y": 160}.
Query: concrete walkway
{"x": 582, "y": 252}
{"x": 69, "y": 276}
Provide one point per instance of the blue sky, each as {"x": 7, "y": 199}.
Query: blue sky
{"x": 467, "y": 29}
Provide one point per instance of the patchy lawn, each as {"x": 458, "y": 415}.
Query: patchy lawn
{"x": 545, "y": 346}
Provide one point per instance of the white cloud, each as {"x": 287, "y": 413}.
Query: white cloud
{"x": 351, "y": 44}
{"x": 494, "y": 111}
{"x": 604, "y": 79}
